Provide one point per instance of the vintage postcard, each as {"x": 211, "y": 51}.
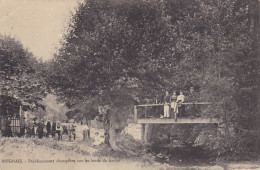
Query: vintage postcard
{"x": 129, "y": 84}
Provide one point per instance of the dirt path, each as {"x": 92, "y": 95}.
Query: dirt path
{"x": 36, "y": 153}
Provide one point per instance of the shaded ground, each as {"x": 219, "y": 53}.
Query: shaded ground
{"x": 35, "y": 149}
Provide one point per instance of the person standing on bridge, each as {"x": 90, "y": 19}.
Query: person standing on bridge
{"x": 158, "y": 110}
{"x": 173, "y": 104}
{"x": 166, "y": 107}
{"x": 181, "y": 108}
{"x": 193, "y": 97}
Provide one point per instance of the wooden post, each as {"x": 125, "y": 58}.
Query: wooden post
{"x": 135, "y": 114}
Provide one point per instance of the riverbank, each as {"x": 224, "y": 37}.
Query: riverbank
{"x": 47, "y": 153}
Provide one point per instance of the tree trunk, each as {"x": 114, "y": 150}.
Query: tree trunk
{"x": 111, "y": 128}
{"x": 107, "y": 125}
{"x": 114, "y": 135}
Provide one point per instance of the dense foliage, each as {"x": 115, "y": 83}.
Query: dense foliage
{"x": 124, "y": 52}
{"x": 21, "y": 81}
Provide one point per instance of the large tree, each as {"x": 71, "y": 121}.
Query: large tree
{"x": 121, "y": 53}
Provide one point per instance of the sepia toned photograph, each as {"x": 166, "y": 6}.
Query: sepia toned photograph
{"x": 129, "y": 84}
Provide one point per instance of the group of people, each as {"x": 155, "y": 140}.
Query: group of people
{"x": 172, "y": 103}
{"x": 47, "y": 129}
{"x": 42, "y": 129}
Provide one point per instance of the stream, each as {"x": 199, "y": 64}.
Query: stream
{"x": 182, "y": 156}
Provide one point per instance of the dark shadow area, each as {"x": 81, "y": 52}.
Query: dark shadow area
{"x": 185, "y": 155}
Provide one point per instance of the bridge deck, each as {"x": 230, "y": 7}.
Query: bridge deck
{"x": 179, "y": 121}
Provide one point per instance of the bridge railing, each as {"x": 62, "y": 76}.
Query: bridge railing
{"x": 136, "y": 115}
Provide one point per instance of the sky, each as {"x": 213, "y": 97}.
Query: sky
{"x": 38, "y": 24}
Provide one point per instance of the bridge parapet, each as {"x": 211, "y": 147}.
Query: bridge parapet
{"x": 180, "y": 120}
